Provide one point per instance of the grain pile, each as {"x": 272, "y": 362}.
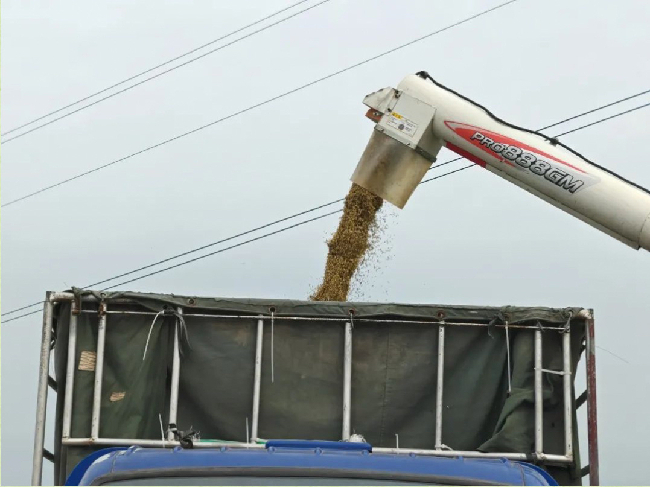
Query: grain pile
{"x": 349, "y": 244}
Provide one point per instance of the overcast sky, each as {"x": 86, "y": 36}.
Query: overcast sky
{"x": 470, "y": 238}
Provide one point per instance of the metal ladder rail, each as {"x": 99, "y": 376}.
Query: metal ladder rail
{"x": 41, "y": 397}
{"x": 567, "y": 399}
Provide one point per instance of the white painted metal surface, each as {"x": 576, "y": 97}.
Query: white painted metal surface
{"x": 551, "y": 172}
{"x": 41, "y": 398}
{"x": 99, "y": 373}
{"x": 176, "y": 373}
{"x": 347, "y": 382}
{"x": 257, "y": 384}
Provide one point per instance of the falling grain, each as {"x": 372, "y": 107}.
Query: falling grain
{"x": 349, "y": 244}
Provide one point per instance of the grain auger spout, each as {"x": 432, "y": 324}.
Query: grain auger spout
{"x": 419, "y": 117}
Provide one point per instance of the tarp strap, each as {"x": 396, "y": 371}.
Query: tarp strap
{"x": 146, "y": 345}
{"x": 567, "y": 325}
{"x": 180, "y": 323}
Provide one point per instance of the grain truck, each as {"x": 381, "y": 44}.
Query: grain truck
{"x": 156, "y": 389}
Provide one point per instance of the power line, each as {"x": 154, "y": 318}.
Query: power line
{"x": 163, "y": 73}
{"x": 595, "y": 110}
{"x": 301, "y": 213}
{"x": 448, "y": 173}
{"x": 277, "y": 97}
{"x": 155, "y": 67}
{"x": 604, "y": 119}
{"x": 206, "y": 246}
{"x": 203, "y": 247}
{"x": 203, "y": 256}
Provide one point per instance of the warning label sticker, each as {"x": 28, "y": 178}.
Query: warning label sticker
{"x": 402, "y": 124}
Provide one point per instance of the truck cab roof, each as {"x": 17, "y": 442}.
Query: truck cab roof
{"x": 285, "y": 462}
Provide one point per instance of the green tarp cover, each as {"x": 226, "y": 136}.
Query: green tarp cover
{"x": 394, "y": 373}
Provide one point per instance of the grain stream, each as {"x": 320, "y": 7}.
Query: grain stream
{"x": 349, "y": 244}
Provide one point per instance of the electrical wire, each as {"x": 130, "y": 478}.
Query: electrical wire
{"x": 154, "y": 68}
{"x": 595, "y": 110}
{"x": 203, "y": 247}
{"x": 161, "y": 73}
{"x": 604, "y": 119}
{"x": 303, "y": 213}
{"x": 277, "y": 97}
{"x": 164, "y": 269}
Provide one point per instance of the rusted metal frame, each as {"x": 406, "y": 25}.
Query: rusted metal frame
{"x": 41, "y": 395}
{"x": 592, "y": 411}
{"x": 257, "y": 384}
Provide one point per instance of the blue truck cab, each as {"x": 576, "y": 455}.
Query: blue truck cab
{"x": 287, "y": 462}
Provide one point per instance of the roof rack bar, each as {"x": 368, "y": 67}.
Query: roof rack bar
{"x": 257, "y": 385}
{"x": 347, "y": 381}
{"x": 176, "y": 370}
{"x": 439, "y": 383}
{"x": 527, "y": 457}
{"x": 69, "y": 374}
{"x": 539, "y": 411}
{"x": 155, "y": 443}
{"x": 546, "y": 458}
{"x": 99, "y": 372}
{"x": 41, "y": 397}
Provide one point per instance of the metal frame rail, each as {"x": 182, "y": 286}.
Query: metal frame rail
{"x": 45, "y": 380}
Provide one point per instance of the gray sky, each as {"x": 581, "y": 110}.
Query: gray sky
{"x": 470, "y": 238}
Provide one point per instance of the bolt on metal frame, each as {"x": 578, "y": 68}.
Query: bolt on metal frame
{"x": 251, "y": 441}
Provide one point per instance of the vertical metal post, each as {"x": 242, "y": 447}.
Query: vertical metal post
{"x": 568, "y": 403}
{"x": 592, "y": 413}
{"x": 347, "y": 381}
{"x": 439, "y": 385}
{"x": 69, "y": 373}
{"x": 176, "y": 371}
{"x": 41, "y": 397}
{"x": 539, "y": 400}
{"x": 258, "y": 380}
{"x": 99, "y": 372}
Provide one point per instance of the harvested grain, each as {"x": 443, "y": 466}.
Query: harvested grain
{"x": 349, "y": 244}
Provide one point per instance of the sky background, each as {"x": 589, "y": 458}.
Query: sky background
{"x": 470, "y": 238}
